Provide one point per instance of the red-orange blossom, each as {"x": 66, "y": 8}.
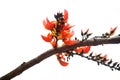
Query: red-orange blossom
{"x": 60, "y": 29}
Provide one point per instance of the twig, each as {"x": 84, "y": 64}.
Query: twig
{"x": 26, "y": 65}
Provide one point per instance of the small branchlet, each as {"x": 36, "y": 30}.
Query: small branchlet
{"x": 101, "y": 60}
{"x": 85, "y": 35}
{"x": 107, "y": 34}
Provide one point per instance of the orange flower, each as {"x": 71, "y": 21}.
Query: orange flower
{"x": 61, "y": 59}
{"x": 86, "y": 49}
{"x": 48, "y": 38}
{"x": 49, "y": 25}
{"x": 65, "y": 15}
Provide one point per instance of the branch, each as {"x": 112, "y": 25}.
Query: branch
{"x": 26, "y": 65}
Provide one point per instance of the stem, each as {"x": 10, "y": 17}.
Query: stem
{"x": 26, "y": 65}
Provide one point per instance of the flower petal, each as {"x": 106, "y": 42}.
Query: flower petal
{"x": 48, "y": 38}
{"x": 64, "y": 33}
{"x": 78, "y": 50}
{"x": 86, "y": 49}
{"x": 47, "y": 20}
{"x": 48, "y": 25}
{"x": 70, "y": 34}
{"x": 59, "y": 36}
{"x": 67, "y": 27}
{"x": 65, "y": 15}
{"x": 45, "y": 24}
{"x": 63, "y": 63}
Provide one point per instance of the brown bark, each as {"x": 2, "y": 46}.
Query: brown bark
{"x": 26, "y": 65}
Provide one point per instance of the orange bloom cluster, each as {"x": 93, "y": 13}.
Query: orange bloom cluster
{"x": 60, "y": 29}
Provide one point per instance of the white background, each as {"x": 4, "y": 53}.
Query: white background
{"x": 21, "y": 27}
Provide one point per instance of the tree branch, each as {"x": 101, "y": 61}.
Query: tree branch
{"x": 26, "y": 65}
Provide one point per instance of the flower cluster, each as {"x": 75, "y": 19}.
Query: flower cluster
{"x": 60, "y": 29}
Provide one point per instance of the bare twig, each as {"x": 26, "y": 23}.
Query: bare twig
{"x": 26, "y": 65}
